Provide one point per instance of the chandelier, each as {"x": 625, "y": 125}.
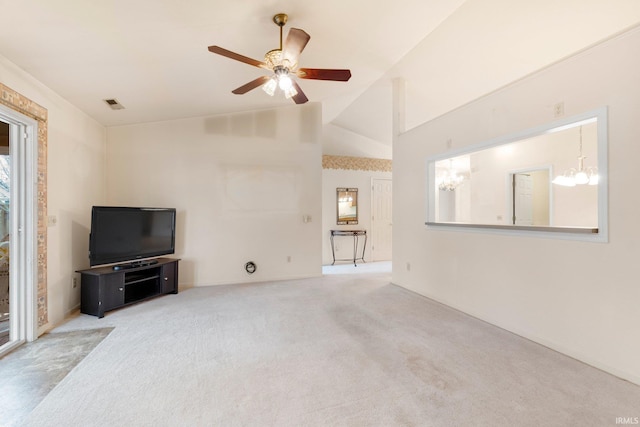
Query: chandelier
{"x": 450, "y": 180}
{"x": 579, "y": 176}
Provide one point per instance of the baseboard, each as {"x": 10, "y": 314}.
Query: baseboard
{"x": 240, "y": 282}
{"x": 552, "y": 345}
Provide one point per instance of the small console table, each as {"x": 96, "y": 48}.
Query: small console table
{"x": 356, "y": 234}
{"x": 107, "y": 288}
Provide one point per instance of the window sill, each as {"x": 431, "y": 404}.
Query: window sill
{"x": 536, "y": 228}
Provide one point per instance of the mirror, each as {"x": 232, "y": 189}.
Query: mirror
{"x": 347, "y": 202}
{"x": 550, "y": 178}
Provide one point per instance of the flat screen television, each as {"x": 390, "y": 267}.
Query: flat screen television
{"x": 130, "y": 234}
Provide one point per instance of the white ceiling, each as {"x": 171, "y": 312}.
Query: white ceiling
{"x": 152, "y": 55}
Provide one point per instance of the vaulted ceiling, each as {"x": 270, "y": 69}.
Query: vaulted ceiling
{"x": 152, "y": 55}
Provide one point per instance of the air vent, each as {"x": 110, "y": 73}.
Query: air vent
{"x": 114, "y": 104}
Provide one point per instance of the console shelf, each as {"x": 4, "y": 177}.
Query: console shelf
{"x": 104, "y": 288}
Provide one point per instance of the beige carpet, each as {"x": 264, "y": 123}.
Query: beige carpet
{"x": 30, "y": 372}
{"x": 334, "y": 351}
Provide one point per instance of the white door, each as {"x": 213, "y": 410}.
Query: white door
{"x": 523, "y": 199}
{"x": 381, "y": 220}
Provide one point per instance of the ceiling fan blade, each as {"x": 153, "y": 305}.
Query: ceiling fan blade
{"x": 236, "y": 56}
{"x": 251, "y": 85}
{"x": 300, "y": 97}
{"x": 297, "y": 39}
{"x": 324, "y": 74}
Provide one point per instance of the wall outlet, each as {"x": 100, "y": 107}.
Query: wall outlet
{"x": 52, "y": 220}
{"x": 74, "y": 282}
{"x": 558, "y": 109}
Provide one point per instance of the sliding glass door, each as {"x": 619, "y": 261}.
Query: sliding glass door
{"x": 18, "y": 226}
{"x": 5, "y": 233}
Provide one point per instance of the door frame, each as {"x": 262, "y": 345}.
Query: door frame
{"x": 23, "y": 277}
{"x": 509, "y": 187}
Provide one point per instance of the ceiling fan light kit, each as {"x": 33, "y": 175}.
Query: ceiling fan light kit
{"x": 282, "y": 63}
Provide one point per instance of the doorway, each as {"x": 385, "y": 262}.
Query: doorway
{"x": 18, "y": 227}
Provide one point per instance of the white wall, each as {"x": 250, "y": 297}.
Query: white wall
{"x": 76, "y": 181}
{"x": 336, "y": 178}
{"x": 241, "y": 184}
{"x": 339, "y": 141}
{"x": 580, "y": 298}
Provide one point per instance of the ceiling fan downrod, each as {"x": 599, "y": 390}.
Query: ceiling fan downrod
{"x": 280, "y": 20}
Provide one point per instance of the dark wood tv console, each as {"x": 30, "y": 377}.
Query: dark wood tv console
{"x": 105, "y": 288}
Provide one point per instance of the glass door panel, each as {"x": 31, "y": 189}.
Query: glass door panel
{"x": 5, "y": 227}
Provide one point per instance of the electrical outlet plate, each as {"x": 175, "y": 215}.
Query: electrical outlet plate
{"x": 558, "y": 109}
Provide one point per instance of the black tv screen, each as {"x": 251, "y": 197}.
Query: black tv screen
{"x": 120, "y": 234}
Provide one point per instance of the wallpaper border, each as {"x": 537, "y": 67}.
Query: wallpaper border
{"x": 356, "y": 163}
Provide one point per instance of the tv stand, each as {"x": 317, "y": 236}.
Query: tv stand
{"x": 107, "y": 288}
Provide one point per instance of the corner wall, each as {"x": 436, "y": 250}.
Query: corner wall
{"x": 577, "y": 297}
{"x": 242, "y": 185}
{"x": 75, "y": 182}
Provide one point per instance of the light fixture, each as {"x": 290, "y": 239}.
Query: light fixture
{"x": 280, "y": 79}
{"x": 450, "y": 180}
{"x": 290, "y": 92}
{"x": 270, "y": 86}
{"x": 284, "y": 82}
{"x": 581, "y": 176}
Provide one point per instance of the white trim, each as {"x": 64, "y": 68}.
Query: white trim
{"x": 599, "y": 114}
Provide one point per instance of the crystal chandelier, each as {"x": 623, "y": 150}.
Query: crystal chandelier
{"x": 450, "y": 180}
{"x": 580, "y": 176}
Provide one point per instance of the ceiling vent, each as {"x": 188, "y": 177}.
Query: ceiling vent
{"x": 114, "y": 104}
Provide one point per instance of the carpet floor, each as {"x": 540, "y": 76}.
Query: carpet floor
{"x": 30, "y": 372}
{"x": 340, "y": 350}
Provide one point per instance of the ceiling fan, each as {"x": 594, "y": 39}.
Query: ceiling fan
{"x": 283, "y": 63}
